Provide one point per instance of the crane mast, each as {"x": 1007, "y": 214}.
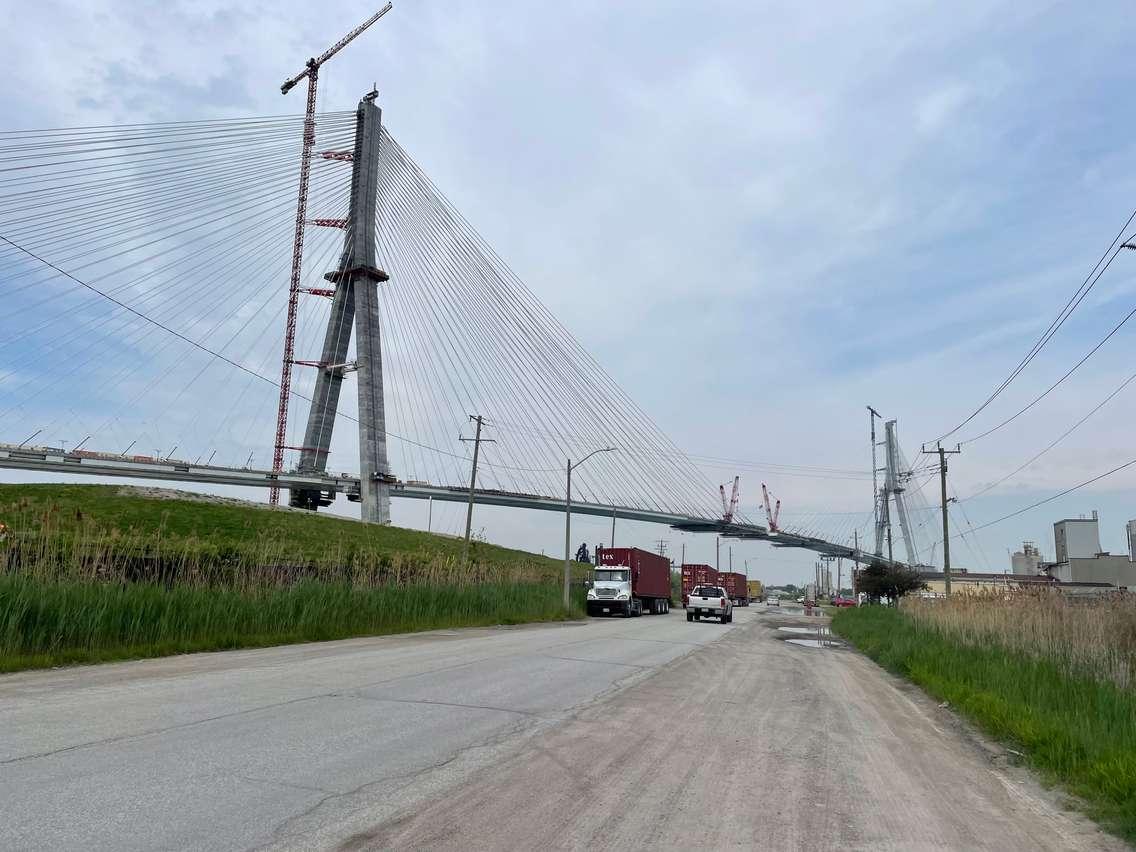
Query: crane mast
{"x": 730, "y": 507}
{"x": 771, "y": 515}
{"x": 311, "y": 71}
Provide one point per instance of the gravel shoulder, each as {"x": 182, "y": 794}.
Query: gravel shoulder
{"x": 797, "y": 748}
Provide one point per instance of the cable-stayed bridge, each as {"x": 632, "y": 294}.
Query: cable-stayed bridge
{"x": 145, "y": 272}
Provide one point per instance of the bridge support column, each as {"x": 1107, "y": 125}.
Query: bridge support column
{"x": 356, "y": 302}
{"x": 374, "y": 469}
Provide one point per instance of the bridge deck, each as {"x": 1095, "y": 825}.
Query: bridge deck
{"x": 103, "y": 464}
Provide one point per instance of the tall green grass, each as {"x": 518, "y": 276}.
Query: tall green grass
{"x": 92, "y": 573}
{"x": 1078, "y": 730}
{"x": 108, "y": 530}
{"x": 45, "y": 623}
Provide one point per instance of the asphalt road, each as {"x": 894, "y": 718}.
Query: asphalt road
{"x": 609, "y": 734}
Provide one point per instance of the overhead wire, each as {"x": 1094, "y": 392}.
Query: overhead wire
{"x": 1066, "y": 311}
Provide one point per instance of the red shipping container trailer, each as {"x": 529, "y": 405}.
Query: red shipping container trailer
{"x": 630, "y": 581}
{"x": 696, "y": 575}
{"x": 735, "y": 586}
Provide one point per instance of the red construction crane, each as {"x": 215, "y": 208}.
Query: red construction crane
{"x": 729, "y": 508}
{"x": 311, "y": 71}
{"x": 770, "y": 515}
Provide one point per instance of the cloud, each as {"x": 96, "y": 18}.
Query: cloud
{"x": 940, "y": 106}
{"x": 759, "y": 218}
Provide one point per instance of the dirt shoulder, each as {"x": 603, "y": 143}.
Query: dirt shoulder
{"x": 797, "y": 747}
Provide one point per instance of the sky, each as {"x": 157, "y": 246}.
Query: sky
{"x": 758, "y": 217}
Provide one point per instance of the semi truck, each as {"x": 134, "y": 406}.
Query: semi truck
{"x": 735, "y": 586}
{"x": 630, "y": 582}
{"x": 756, "y": 590}
{"x": 696, "y": 575}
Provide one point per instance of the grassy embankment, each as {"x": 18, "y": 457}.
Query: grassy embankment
{"x": 90, "y": 574}
{"x": 1055, "y": 679}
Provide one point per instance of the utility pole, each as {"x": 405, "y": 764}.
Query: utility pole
{"x": 613, "y": 526}
{"x": 479, "y": 420}
{"x": 718, "y": 553}
{"x": 943, "y": 453}
{"x": 872, "y": 415}
{"x": 683, "y": 554}
{"x": 661, "y": 546}
{"x": 856, "y": 565}
{"x": 731, "y": 559}
{"x": 429, "y": 513}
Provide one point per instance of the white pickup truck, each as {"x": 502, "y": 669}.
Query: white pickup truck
{"x": 709, "y": 601}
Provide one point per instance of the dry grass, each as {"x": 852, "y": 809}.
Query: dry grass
{"x": 1094, "y": 637}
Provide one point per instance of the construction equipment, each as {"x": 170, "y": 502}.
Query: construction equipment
{"x": 728, "y": 508}
{"x": 771, "y": 516}
{"x": 311, "y": 71}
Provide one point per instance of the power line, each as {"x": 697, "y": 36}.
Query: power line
{"x": 1066, "y": 311}
{"x": 1054, "y": 386}
{"x": 1058, "y": 496}
{"x": 1055, "y": 442}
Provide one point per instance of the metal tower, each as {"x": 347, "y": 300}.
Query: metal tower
{"x": 355, "y": 302}
{"x": 311, "y": 71}
{"x": 895, "y": 480}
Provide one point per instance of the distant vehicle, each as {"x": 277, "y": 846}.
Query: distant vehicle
{"x": 800, "y": 600}
{"x": 842, "y": 602}
{"x": 773, "y": 600}
{"x": 755, "y": 589}
{"x": 696, "y": 575}
{"x": 630, "y": 581}
{"x": 709, "y": 601}
{"x": 735, "y": 585}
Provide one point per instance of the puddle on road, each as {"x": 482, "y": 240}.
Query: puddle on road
{"x": 812, "y": 631}
{"x": 811, "y": 643}
{"x": 821, "y": 637}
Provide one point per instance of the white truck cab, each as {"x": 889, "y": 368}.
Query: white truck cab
{"x": 612, "y": 591}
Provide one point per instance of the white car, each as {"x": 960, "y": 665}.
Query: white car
{"x": 773, "y": 601}
{"x": 709, "y": 601}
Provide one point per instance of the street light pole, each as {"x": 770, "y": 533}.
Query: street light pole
{"x": 568, "y": 522}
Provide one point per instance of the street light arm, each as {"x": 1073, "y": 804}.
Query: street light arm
{"x": 592, "y": 453}
{"x": 568, "y": 522}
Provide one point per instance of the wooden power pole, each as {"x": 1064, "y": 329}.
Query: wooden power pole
{"x": 943, "y": 453}
{"x": 477, "y": 439}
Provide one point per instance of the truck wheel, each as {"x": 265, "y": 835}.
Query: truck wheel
{"x": 638, "y": 608}
{"x": 690, "y": 616}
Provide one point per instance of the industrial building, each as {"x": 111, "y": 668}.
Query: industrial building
{"x": 1079, "y": 560}
{"x": 1027, "y": 561}
{"x": 1076, "y": 537}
